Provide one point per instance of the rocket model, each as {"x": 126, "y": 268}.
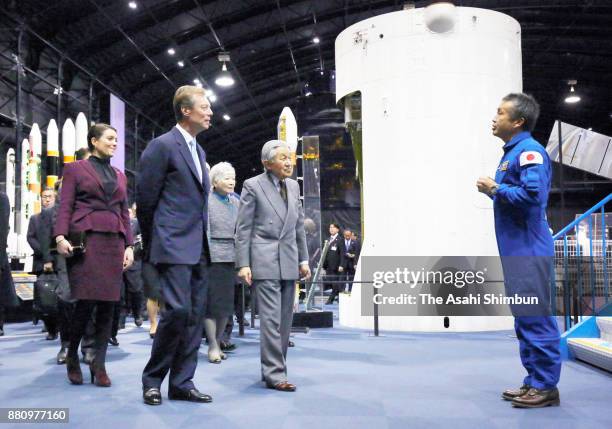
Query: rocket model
{"x": 287, "y": 131}
{"x": 68, "y": 141}
{"x": 23, "y": 248}
{"x": 10, "y": 192}
{"x": 34, "y": 168}
{"x": 52, "y": 153}
{"x": 81, "y": 131}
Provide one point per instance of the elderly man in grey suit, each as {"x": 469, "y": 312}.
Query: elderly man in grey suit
{"x": 271, "y": 253}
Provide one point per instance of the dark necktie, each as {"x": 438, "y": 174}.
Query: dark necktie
{"x": 283, "y": 190}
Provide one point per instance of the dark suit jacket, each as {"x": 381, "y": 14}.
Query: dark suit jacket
{"x": 335, "y": 256}
{"x": 8, "y": 298}
{"x": 34, "y": 237}
{"x": 85, "y": 207}
{"x": 172, "y": 201}
{"x": 354, "y": 249}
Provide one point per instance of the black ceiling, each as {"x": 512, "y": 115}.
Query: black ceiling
{"x": 272, "y": 54}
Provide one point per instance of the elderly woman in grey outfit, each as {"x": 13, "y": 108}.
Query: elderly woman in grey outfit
{"x": 222, "y": 217}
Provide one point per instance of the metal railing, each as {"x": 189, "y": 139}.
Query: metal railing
{"x": 582, "y": 264}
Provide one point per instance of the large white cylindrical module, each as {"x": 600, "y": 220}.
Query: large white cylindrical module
{"x": 430, "y": 81}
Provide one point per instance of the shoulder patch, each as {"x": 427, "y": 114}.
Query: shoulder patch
{"x": 531, "y": 157}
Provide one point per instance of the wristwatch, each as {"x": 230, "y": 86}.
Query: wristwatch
{"x": 494, "y": 190}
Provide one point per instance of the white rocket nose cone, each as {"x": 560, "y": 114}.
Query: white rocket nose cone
{"x": 440, "y": 17}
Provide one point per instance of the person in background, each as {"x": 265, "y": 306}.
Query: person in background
{"x": 35, "y": 235}
{"x": 351, "y": 249}
{"x": 334, "y": 262}
{"x": 8, "y": 298}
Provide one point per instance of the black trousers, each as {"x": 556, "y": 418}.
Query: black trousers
{"x": 227, "y": 333}
{"x": 179, "y": 333}
{"x": 103, "y": 322}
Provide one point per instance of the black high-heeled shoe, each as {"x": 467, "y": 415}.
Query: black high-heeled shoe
{"x": 99, "y": 377}
{"x": 73, "y": 369}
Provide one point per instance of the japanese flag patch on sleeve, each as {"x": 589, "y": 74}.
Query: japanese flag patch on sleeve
{"x": 531, "y": 157}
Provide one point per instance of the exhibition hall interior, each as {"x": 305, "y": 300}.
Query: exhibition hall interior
{"x": 306, "y": 213}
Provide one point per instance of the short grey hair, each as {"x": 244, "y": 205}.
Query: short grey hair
{"x": 526, "y": 107}
{"x": 219, "y": 170}
{"x": 268, "y": 151}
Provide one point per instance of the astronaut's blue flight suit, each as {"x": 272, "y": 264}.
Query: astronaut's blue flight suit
{"x": 526, "y": 249}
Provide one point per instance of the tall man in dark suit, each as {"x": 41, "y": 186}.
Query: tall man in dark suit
{"x": 172, "y": 199}
{"x": 7, "y": 289}
{"x": 271, "y": 253}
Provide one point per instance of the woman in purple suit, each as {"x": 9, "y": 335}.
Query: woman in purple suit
{"x": 94, "y": 201}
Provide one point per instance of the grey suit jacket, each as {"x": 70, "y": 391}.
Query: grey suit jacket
{"x": 270, "y": 237}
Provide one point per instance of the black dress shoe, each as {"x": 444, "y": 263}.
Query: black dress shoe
{"x": 1, "y": 332}
{"x": 61, "y": 356}
{"x": 510, "y": 394}
{"x": 193, "y": 395}
{"x": 538, "y": 398}
{"x": 88, "y": 356}
{"x": 51, "y": 336}
{"x": 138, "y": 321}
{"x": 291, "y": 344}
{"x": 226, "y": 346}
{"x": 152, "y": 396}
{"x": 113, "y": 341}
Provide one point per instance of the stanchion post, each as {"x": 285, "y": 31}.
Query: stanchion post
{"x": 375, "y": 314}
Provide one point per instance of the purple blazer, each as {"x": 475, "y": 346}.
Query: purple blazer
{"x": 84, "y": 206}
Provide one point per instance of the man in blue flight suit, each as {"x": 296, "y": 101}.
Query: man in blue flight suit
{"x": 520, "y": 195}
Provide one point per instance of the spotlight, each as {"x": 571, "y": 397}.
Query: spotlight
{"x": 171, "y": 51}
{"x": 133, "y": 5}
{"x": 224, "y": 79}
{"x": 572, "y": 97}
{"x": 316, "y": 40}
{"x": 181, "y": 64}
{"x": 226, "y": 117}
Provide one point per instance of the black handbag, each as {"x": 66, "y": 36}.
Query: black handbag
{"x": 45, "y": 296}
{"x": 78, "y": 241}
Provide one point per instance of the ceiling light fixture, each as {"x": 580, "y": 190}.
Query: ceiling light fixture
{"x": 133, "y": 5}
{"x": 226, "y": 117}
{"x": 316, "y": 40}
{"x": 171, "y": 51}
{"x": 181, "y": 64}
{"x": 224, "y": 79}
{"x": 572, "y": 97}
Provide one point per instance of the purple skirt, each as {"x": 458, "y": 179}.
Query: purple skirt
{"x": 97, "y": 274}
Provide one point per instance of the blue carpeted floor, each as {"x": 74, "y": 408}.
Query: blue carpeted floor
{"x": 346, "y": 379}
